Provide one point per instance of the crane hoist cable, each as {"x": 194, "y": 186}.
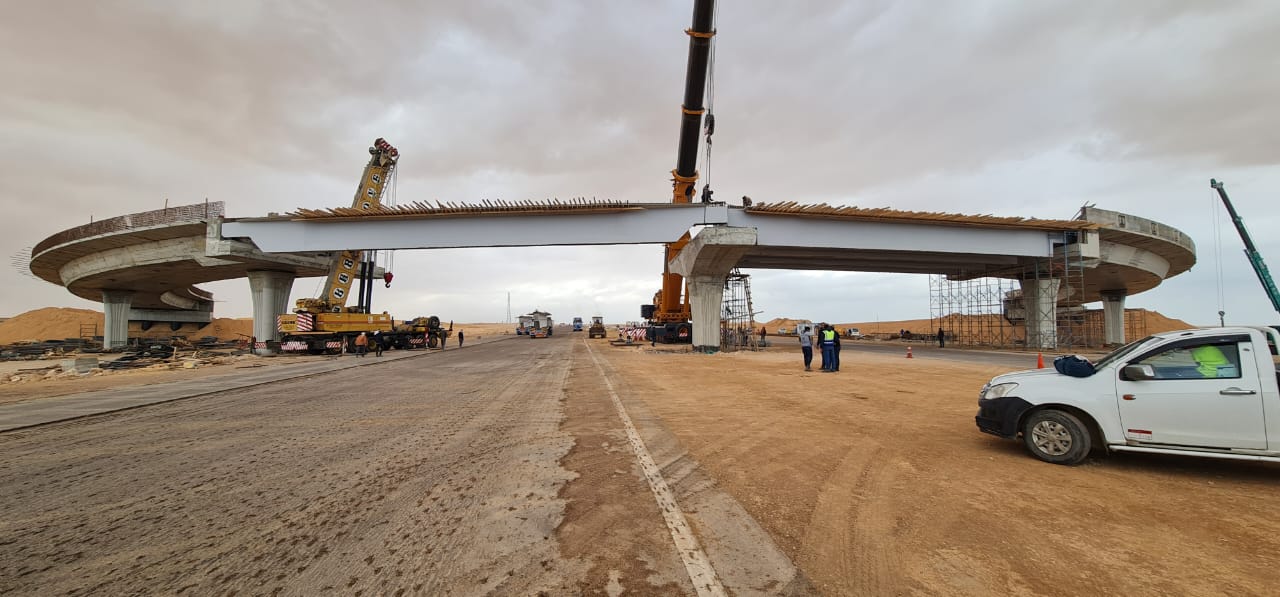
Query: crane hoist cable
{"x": 1217, "y": 252}
{"x": 709, "y": 123}
{"x": 390, "y": 200}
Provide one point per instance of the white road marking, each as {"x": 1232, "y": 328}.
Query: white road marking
{"x": 703, "y": 576}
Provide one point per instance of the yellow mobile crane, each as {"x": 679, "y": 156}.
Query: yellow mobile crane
{"x": 325, "y": 323}
{"x": 669, "y": 314}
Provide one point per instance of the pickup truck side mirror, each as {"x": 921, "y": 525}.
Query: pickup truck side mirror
{"x": 1138, "y": 372}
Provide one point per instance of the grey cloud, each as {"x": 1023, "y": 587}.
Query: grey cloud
{"x": 946, "y": 106}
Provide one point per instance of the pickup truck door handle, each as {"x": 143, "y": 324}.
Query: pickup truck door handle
{"x": 1237, "y": 392}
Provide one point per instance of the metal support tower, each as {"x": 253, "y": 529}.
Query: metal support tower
{"x": 737, "y": 315}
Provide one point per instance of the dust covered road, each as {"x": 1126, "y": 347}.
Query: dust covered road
{"x": 431, "y": 475}
{"x": 506, "y": 468}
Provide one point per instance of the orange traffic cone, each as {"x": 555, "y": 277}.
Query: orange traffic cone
{"x": 909, "y": 352}
{"x": 1039, "y": 360}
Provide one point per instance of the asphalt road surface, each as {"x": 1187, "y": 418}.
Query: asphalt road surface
{"x": 497, "y": 469}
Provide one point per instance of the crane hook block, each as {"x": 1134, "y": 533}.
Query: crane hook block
{"x": 387, "y": 278}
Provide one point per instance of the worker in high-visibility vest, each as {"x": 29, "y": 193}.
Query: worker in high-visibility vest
{"x": 828, "y": 336}
{"x": 1208, "y": 359}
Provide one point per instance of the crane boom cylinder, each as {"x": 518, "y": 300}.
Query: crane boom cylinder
{"x": 695, "y": 85}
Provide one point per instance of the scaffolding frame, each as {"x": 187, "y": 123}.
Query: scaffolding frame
{"x": 737, "y": 314}
{"x": 992, "y": 311}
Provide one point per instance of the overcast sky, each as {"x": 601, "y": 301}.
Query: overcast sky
{"x": 1007, "y": 108}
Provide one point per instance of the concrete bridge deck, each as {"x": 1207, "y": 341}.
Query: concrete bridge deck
{"x": 153, "y": 260}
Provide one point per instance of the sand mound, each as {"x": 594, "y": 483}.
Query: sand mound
{"x": 782, "y": 322}
{"x": 50, "y": 323}
{"x": 1153, "y": 321}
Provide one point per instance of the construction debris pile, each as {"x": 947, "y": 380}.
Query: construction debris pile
{"x": 149, "y": 358}
{"x": 30, "y": 351}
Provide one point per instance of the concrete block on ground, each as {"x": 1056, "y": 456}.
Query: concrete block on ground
{"x": 79, "y": 364}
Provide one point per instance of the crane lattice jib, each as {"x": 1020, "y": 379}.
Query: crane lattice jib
{"x": 342, "y": 273}
{"x": 1250, "y": 250}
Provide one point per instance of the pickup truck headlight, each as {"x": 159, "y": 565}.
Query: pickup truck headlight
{"x": 999, "y": 390}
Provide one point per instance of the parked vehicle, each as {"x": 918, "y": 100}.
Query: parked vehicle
{"x": 1212, "y": 392}
{"x": 577, "y": 324}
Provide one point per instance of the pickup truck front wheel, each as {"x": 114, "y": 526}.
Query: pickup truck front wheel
{"x": 1056, "y": 436}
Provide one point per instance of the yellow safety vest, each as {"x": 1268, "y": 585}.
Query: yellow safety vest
{"x": 1208, "y": 359}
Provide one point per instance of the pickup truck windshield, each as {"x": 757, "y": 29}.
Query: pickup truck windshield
{"x": 1121, "y": 352}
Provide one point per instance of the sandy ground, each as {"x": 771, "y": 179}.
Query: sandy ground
{"x": 38, "y": 388}
{"x": 503, "y": 469}
{"x": 875, "y": 481}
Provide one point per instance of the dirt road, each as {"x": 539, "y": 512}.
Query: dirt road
{"x": 874, "y": 481}
{"x": 453, "y": 473}
{"x": 506, "y": 469}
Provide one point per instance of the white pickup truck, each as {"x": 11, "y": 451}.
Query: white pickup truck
{"x": 1205, "y": 392}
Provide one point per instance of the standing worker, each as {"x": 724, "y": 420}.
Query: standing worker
{"x": 362, "y": 344}
{"x": 835, "y": 366}
{"x": 763, "y": 332}
{"x": 459, "y": 338}
{"x": 828, "y": 337}
{"x": 806, "y": 345}
{"x": 377, "y": 343}
{"x": 942, "y": 338}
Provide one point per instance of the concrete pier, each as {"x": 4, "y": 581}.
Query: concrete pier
{"x": 705, "y": 263}
{"x": 115, "y": 317}
{"x": 270, "y": 291}
{"x": 1041, "y": 298}
{"x": 1113, "y": 316}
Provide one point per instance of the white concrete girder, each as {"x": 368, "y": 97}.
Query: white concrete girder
{"x": 653, "y": 225}
{"x": 892, "y": 237}
{"x": 270, "y": 290}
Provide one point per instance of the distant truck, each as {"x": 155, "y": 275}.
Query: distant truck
{"x": 577, "y": 324}
{"x": 538, "y": 324}
{"x": 1212, "y": 392}
{"x": 597, "y": 327}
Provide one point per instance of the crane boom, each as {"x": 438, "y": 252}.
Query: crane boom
{"x": 670, "y": 311}
{"x": 1250, "y": 251}
{"x": 343, "y": 271}
{"x": 685, "y": 175}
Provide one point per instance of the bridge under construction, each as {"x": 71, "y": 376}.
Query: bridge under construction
{"x": 146, "y": 265}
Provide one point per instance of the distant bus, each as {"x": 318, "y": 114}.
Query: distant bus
{"x": 577, "y": 324}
